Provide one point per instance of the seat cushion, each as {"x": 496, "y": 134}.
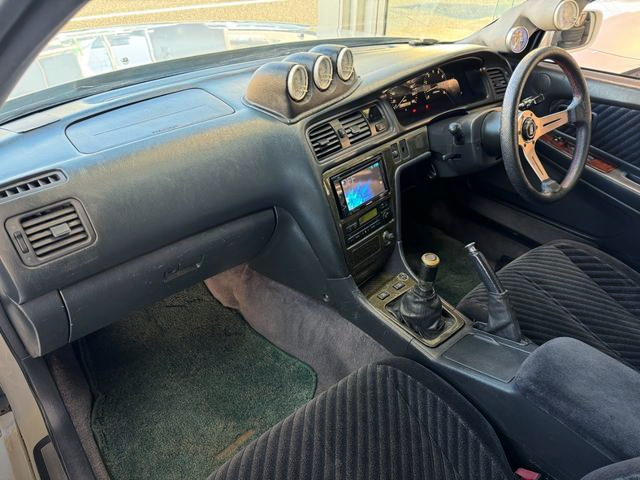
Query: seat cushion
{"x": 568, "y": 289}
{"x": 390, "y": 420}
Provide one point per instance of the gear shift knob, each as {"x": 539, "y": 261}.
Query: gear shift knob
{"x": 429, "y": 263}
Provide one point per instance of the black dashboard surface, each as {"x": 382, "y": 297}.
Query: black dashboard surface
{"x": 182, "y": 178}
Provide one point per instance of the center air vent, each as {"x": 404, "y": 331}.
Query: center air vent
{"x": 355, "y": 126}
{"x": 498, "y": 80}
{"x": 324, "y": 140}
{"x": 50, "y": 232}
{"x": 347, "y": 130}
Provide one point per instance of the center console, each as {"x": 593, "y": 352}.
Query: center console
{"x": 530, "y": 395}
{"x": 362, "y": 195}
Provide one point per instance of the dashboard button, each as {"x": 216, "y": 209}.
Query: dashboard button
{"x": 380, "y": 127}
{"x": 399, "y": 285}
{"x": 383, "y": 294}
{"x": 395, "y": 153}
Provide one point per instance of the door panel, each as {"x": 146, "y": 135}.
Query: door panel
{"x": 617, "y": 132}
{"x": 604, "y": 208}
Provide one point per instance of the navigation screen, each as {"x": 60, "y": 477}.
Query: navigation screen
{"x": 363, "y": 185}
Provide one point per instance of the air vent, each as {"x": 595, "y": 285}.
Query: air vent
{"x": 50, "y": 232}
{"x": 347, "y": 130}
{"x": 498, "y": 80}
{"x": 324, "y": 140}
{"x": 355, "y": 126}
{"x": 31, "y": 184}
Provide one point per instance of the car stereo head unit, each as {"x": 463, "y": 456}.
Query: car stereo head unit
{"x": 358, "y": 188}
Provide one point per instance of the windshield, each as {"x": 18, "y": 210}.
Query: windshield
{"x": 109, "y": 36}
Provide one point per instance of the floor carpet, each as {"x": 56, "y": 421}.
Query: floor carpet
{"x": 456, "y": 276}
{"x": 183, "y": 385}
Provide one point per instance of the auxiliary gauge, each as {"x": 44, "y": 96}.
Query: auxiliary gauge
{"x": 322, "y": 72}
{"x": 345, "y": 64}
{"x": 517, "y": 39}
{"x": 297, "y": 82}
{"x": 566, "y": 15}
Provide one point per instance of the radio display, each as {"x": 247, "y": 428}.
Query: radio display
{"x": 362, "y": 186}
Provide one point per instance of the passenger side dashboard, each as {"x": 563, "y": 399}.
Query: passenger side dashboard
{"x": 165, "y": 183}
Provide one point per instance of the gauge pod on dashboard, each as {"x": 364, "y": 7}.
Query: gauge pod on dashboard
{"x": 342, "y": 58}
{"x": 303, "y": 82}
{"x": 318, "y": 66}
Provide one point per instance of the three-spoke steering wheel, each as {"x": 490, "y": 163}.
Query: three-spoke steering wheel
{"x": 521, "y": 128}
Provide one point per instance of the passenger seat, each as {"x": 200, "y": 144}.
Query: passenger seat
{"x": 391, "y": 420}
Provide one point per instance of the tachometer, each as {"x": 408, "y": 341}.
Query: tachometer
{"x": 432, "y": 78}
{"x": 439, "y": 90}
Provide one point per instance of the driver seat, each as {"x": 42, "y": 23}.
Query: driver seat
{"x": 569, "y": 289}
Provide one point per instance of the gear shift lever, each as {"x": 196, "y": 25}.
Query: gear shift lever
{"x": 420, "y": 307}
{"x": 502, "y": 318}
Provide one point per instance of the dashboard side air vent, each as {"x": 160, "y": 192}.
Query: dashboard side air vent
{"x": 324, "y": 140}
{"x": 499, "y": 81}
{"x": 50, "y": 232}
{"x": 355, "y": 126}
{"x": 30, "y": 184}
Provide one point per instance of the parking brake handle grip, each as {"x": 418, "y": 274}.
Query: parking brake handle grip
{"x": 502, "y": 319}
{"x": 489, "y": 278}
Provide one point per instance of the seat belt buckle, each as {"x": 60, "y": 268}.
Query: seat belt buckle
{"x": 524, "y": 474}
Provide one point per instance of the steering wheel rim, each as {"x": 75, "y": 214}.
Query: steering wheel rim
{"x": 521, "y": 129}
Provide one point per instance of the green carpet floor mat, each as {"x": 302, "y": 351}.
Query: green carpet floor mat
{"x": 456, "y": 276}
{"x": 183, "y": 385}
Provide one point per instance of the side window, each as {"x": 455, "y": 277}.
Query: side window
{"x": 613, "y": 46}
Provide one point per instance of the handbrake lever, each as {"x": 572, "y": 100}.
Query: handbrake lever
{"x": 502, "y": 317}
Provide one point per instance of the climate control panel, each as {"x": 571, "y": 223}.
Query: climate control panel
{"x": 380, "y": 214}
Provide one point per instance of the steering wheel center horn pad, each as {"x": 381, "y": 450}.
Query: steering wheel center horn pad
{"x": 528, "y": 130}
{"x": 521, "y": 128}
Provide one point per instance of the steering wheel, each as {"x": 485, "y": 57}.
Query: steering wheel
{"x": 521, "y": 128}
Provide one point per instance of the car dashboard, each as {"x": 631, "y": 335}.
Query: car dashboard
{"x": 117, "y": 200}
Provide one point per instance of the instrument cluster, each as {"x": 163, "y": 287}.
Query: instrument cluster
{"x": 436, "y": 91}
